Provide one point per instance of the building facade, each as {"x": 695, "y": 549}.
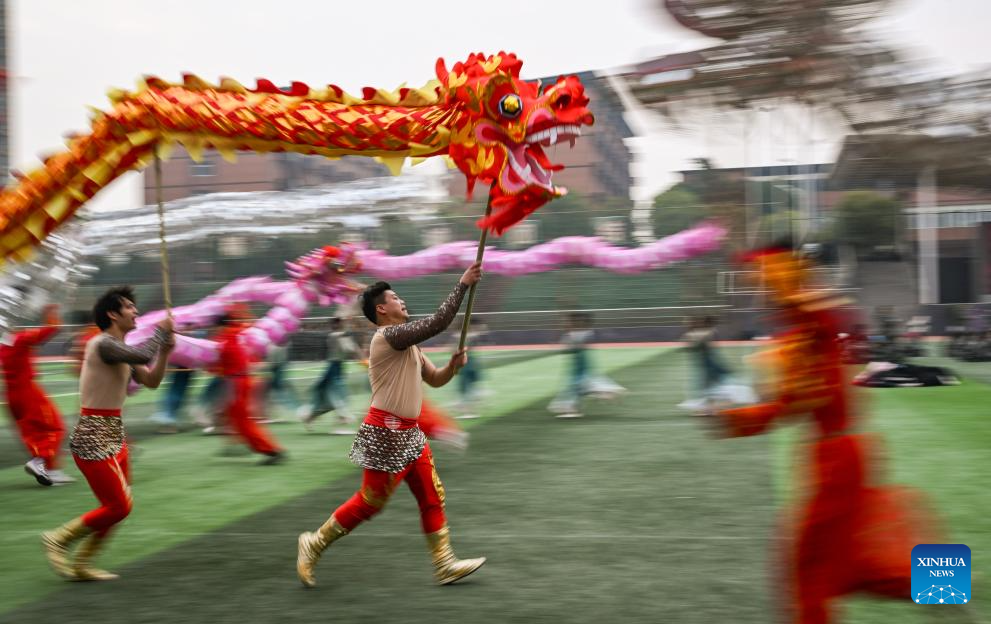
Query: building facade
{"x": 183, "y": 177}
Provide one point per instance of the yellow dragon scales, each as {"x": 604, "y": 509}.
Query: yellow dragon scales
{"x": 492, "y": 124}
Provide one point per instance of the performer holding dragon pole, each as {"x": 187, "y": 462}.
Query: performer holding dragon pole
{"x": 97, "y": 443}
{"x": 390, "y": 445}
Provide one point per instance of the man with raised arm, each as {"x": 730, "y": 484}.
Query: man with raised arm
{"x": 390, "y": 446}
{"x": 97, "y": 443}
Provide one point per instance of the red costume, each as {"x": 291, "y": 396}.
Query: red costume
{"x": 849, "y": 534}
{"x": 377, "y": 485}
{"x": 235, "y": 366}
{"x": 391, "y": 445}
{"x": 107, "y": 472}
{"x": 437, "y": 425}
{"x": 36, "y": 417}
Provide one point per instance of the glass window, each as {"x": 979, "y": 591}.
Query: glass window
{"x": 205, "y": 168}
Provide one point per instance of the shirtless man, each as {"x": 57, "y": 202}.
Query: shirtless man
{"x": 97, "y": 443}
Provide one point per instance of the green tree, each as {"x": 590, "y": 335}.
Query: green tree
{"x": 676, "y": 209}
{"x": 570, "y": 215}
{"x": 866, "y": 220}
{"x": 400, "y": 235}
{"x": 779, "y": 225}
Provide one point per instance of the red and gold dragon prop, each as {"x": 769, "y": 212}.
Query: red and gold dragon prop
{"x": 491, "y": 124}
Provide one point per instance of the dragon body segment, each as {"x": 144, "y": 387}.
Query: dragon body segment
{"x": 491, "y": 124}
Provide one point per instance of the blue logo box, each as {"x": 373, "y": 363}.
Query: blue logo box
{"x": 941, "y": 574}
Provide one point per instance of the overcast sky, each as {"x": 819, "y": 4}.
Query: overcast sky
{"x": 64, "y": 54}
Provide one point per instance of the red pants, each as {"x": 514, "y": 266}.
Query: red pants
{"x": 377, "y": 486}
{"x": 851, "y": 537}
{"x": 40, "y": 425}
{"x": 110, "y": 480}
{"x": 239, "y": 417}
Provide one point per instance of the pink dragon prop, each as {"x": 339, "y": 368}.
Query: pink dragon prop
{"x": 322, "y": 277}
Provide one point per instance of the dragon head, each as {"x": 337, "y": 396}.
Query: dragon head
{"x": 322, "y": 273}
{"x": 503, "y": 126}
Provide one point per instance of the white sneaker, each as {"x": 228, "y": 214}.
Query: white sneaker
{"x": 36, "y": 468}
{"x": 563, "y": 406}
{"x": 570, "y": 415}
{"x": 303, "y": 413}
{"x": 692, "y": 405}
{"x": 200, "y": 416}
{"x": 60, "y": 478}
{"x": 343, "y": 427}
{"x": 161, "y": 418}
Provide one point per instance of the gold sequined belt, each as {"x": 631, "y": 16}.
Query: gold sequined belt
{"x": 386, "y": 449}
{"x": 97, "y": 436}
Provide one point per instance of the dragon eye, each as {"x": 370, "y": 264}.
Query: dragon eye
{"x": 510, "y": 106}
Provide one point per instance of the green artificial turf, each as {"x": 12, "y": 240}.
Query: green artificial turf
{"x": 631, "y": 514}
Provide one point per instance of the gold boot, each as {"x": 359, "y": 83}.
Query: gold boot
{"x": 87, "y": 551}
{"x": 57, "y": 542}
{"x": 447, "y": 567}
{"x": 312, "y": 545}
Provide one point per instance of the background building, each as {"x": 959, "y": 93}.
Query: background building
{"x": 183, "y": 177}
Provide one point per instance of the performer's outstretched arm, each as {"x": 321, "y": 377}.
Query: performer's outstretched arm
{"x": 406, "y": 335}
{"x": 755, "y": 419}
{"x": 750, "y": 419}
{"x": 40, "y": 335}
{"x": 117, "y": 352}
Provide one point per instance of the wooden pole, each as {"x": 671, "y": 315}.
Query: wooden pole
{"x": 474, "y": 287}
{"x": 164, "y": 250}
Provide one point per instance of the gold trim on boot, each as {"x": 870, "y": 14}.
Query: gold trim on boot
{"x": 57, "y": 541}
{"x": 81, "y": 567}
{"x": 312, "y": 545}
{"x": 448, "y": 568}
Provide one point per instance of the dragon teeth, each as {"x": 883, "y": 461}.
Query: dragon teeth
{"x": 553, "y": 134}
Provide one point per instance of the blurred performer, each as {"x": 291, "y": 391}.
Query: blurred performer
{"x": 169, "y": 412}
{"x": 715, "y": 380}
{"x": 711, "y": 371}
{"x": 582, "y": 380}
{"x": 208, "y": 407}
{"x": 36, "y": 417}
{"x": 83, "y": 336}
{"x": 850, "y": 534}
{"x": 97, "y": 443}
{"x": 390, "y": 445}
{"x": 278, "y": 394}
{"x": 330, "y": 393}
{"x": 438, "y": 426}
{"x": 470, "y": 377}
{"x": 235, "y": 367}
{"x": 175, "y": 395}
